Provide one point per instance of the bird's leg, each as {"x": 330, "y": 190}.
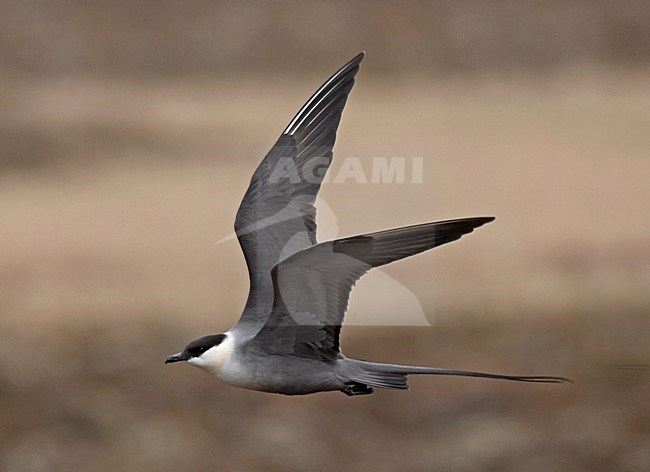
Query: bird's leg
{"x": 357, "y": 389}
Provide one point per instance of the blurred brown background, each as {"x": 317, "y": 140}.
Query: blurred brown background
{"x": 129, "y": 131}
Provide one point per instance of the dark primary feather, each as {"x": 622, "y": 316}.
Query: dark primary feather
{"x": 277, "y": 217}
{"x": 313, "y": 286}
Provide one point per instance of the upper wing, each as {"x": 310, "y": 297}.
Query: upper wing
{"x": 277, "y": 217}
{"x": 312, "y": 287}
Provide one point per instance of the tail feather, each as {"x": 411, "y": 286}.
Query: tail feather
{"x": 395, "y": 376}
{"x": 383, "y": 379}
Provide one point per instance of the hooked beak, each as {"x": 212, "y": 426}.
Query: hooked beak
{"x": 179, "y": 356}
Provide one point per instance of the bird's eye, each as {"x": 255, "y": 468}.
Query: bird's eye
{"x": 197, "y": 351}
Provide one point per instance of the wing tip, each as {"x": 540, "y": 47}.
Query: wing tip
{"x": 473, "y": 221}
{"x": 350, "y": 69}
{"x": 486, "y": 219}
{"x": 359, "y": 57}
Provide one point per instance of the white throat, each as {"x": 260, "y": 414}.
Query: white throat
{"x": 214, "y": 359}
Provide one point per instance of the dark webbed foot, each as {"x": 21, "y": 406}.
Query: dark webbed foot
{"x": 357, "y": 389}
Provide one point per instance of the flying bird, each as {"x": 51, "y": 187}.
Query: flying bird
{"x": 287, "y": 339}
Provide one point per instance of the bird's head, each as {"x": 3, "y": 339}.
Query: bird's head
{"x": 209, "y": 352}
